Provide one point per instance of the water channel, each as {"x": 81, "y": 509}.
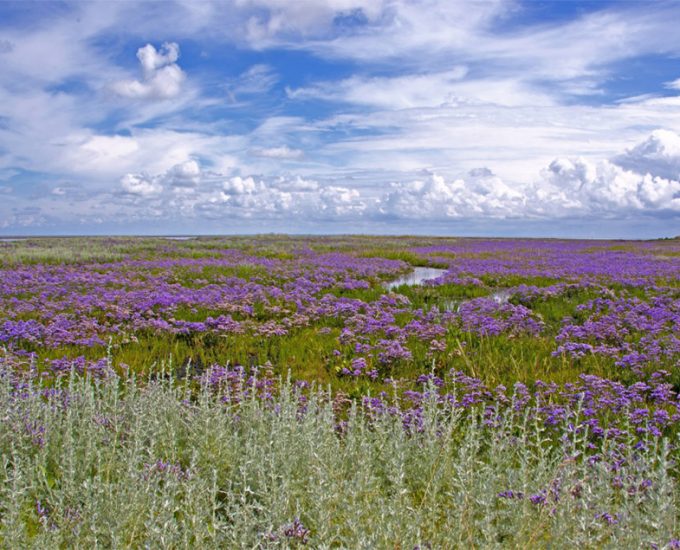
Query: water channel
{"x": 421, "y": 274}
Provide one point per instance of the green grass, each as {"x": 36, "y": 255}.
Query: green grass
{"x": 402, "y": 255}
{"x": 41, "y": 251}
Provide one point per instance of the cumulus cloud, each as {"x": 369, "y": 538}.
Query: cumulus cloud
{"x": 152, "y": 60}
{"x": 341, "y": 201}
{"x": 261, "y": 201}
{"x": 162, "y": 77}
{"x": 565, "y": 188}
{"x": 185, "y": 174}
{"x": 649, "y": 183}
{"x": 295, "y": 196}
{"x": 658, "y": 155}
{"x": 481, "y": 193}
{"x": 194, "y": 192}
{"x": 139, "y": 184}
{"x": 297, "y": 185}
{"x": 240, "y": 186}
{"x": 643, "y": 179}
{"x": 605, "y": 187}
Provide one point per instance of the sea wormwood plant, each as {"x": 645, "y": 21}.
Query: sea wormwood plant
{"x": 118, "y": 462}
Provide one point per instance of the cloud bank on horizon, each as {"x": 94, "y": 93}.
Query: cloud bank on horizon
{"x": 498, "y": 117}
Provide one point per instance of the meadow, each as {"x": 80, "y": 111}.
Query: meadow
{"x": 276, "y": 392}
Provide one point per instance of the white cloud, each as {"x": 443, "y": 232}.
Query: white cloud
{"x": 239, "y": 197}
{"x": 174, "y": 154}
{"x": 162, "y": 77}
{"x": 371, "y": 29}
{"x": 605, "y": 187}
{"x": 674, "y": 85}
{"x": 102, "y": 158}
{"x": 295, "y": 184}
{"x": 658, "y": 155}
{"x": 240, "y": 186}
{"x": 245, "y": 198}
{"x": 104, "y": 153}
{"x": 572, "y": 52}
{"x": 400, "y": 92}
{"x": 341, "y": 201}
{"x": 138, "y": 184}
{"x": 152, "y": 60}
{"x": 182, "y": 177}
{"x": 419, "y": 90}
{"x": 258, "y": 79}
{"x": 284, "y": 152}
{"x": 185, "y": 174}
{"x": 480, "y": 194}
{"x": 52, "y": 49}
{"x": 567, "y": 187}
{"x": 28, "y": 216}
{"x": 270, "y": 20}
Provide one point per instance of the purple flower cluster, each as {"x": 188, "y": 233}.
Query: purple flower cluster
{"x": 633, "y": 322}
{"x": 359, "y": 367}
{"x": 84, "y": 305}
{"x": 290, "y": 533}
{"x": 634, "y": 332}
{"x": 596, "y": 407}
{"x": 487, "y": 317}
{"x": 639, "y": 264}
{"x": 65, "y": 365}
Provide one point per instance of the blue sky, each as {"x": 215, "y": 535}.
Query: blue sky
{"x": 502, "y": 117}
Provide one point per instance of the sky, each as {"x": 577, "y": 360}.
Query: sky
{"x": 443, "y": 117}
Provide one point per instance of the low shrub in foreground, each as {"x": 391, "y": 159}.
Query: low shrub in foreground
{"x": 232, "y": 462}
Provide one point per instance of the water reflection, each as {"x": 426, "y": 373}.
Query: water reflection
{"x": 420, "y": 274}
{"x": 416, "y": 277}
